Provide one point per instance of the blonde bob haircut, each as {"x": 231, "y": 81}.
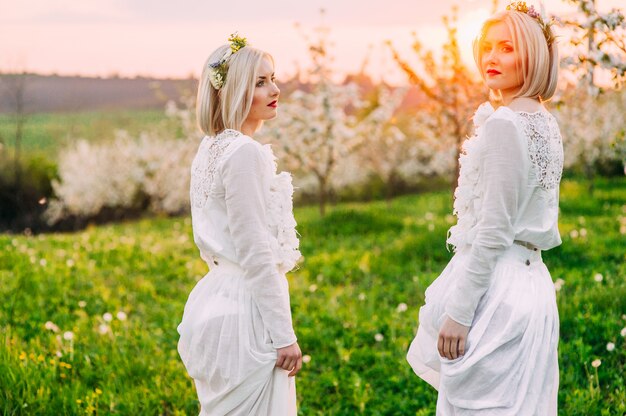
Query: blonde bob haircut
{"x": 539, "y": 62}
{"x": 228, "y": 107}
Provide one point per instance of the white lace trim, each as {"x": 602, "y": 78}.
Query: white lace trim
{"x": 544, "y": 147}
{"x": 280, "y": 218}
{"x": 205, "y": 165}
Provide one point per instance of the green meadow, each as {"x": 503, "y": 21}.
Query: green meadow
{"x": 88, "y": 320}
{"x": 49, "y": 132}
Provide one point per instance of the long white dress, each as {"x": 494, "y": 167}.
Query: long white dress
{"x": 239, "y": 313}
{"x": 496, "y": 283}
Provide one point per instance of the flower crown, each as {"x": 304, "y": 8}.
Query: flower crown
{"x": 520, "y": 6}
{"x": 218, "y": 70}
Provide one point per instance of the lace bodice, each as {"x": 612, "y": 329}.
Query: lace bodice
{"x": 540, "y": 135}
{"x": 208, "y": 188}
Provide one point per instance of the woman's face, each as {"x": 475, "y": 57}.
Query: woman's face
{"x": 265, "y": 98}
{"x": 500, "y": 63}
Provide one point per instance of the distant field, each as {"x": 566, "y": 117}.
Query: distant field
{"x": 50, "y": 132}
{"x": 113, "y": 296}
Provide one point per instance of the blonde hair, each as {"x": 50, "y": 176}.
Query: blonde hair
{"x": 228, "y": 107}
{"x": 539, "y": 60}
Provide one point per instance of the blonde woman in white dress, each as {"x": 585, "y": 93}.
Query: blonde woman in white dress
{"x": 488, "y": 333}
{"x": 236, "y": 336}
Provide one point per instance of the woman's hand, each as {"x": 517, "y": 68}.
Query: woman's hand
{"x": 290, "y": 359}
{"x": 452, "y": 339}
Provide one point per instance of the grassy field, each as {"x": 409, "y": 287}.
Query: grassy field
{"x": 88, "y": 320}
{"x": 49, "y": 132}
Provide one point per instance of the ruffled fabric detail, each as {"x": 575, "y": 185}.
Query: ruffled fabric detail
{"x": 282, "y": 224}
{"x": 467, "y": 196}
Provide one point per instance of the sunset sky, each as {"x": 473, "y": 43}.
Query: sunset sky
{"x": 172, "y": 39}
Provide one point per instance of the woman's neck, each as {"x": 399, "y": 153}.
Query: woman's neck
{"x": 249, "y": 127}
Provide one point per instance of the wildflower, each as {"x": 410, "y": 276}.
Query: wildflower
{"x": 573, "y": 234}
{"x": 596, "y": 363}
{"x": 431, "y": 227}
{"x": 610, "y": 347}
{"x": 121, "y": 315}
{"x": 50, "y": 326}
{"x": 402, "y": 307}
{"x": 68, "y": 335}
{"x": 41, "y": 358}
{"x": 558, "y": 284}
{"x": 306, "y": 358}
{"x": 583, "y": 232}
{"x": 107, "y": 317}
{"x": 70, "y": 263}
{"x": 362, "y": 296}
{"x": 623, "y": 332}
{"x": 312, "y": 288}
{"x": 82, "y": 303}
{"x": 103, "y": 329}
{"x": 429, "y": 216}
{"x": 23, "y": 356}
{"x": 379, "y": 337}
{"x": 598, "y": 277}
{"x": 78, "y": 401}
{"x": 98, "y": 391}
{"x": 43, "y": 262}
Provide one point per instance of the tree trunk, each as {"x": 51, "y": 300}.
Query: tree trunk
{"x": 322, "y": 195}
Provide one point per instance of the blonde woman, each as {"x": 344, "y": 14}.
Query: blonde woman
{"x": 236, "y": 336}
{"x": 489, "y": 330}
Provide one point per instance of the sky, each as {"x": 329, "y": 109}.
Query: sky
{"x": 163, "y": 38}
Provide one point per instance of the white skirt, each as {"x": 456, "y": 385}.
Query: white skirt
{"x": 511, "y": 365}
{"x": 228, "y": 351}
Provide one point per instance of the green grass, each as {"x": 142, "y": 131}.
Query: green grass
{"x": 361, "y": 262}
{"x": 50, "y": 132}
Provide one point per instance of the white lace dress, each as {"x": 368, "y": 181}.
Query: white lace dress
{"x": 239, "y": 313}
{"x": 496, "y": 283}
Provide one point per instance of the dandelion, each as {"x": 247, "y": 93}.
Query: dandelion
{"x": 558, "y": 284}
{"x": 50, "y": 326}
{"x": 312, "y": 288}
{"x": 596, "y": 363}
{"x": 43, "y": 262}
{"x": 623, "y": 332}
{"x": 121, "y": 315}
{"x": 41, "y": 358}
{"x": 58, "y": 354}
{"x": 598, "y": 277}
{"x": 98, "y": 391}
{"x": 23, "y": 355}
{"x": 70, "y": 263}
{"x": 362, "y": 296}
{"x": 583, "y": 232}
{"x": 306, "y": 358}
{"x": 573, "y": 234}
{"x": 610, "y": 347}
{"x": 82, "y": 303}
{"x": 78, "y": 401}
{"x": 379, "y": 337}
{"x": 402, "y": 307}
{"x": 431, "y": 227}
{"x": 68, "y": 335}
{"x": 107, "y": 317}
{"x": 103, "y": 329}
